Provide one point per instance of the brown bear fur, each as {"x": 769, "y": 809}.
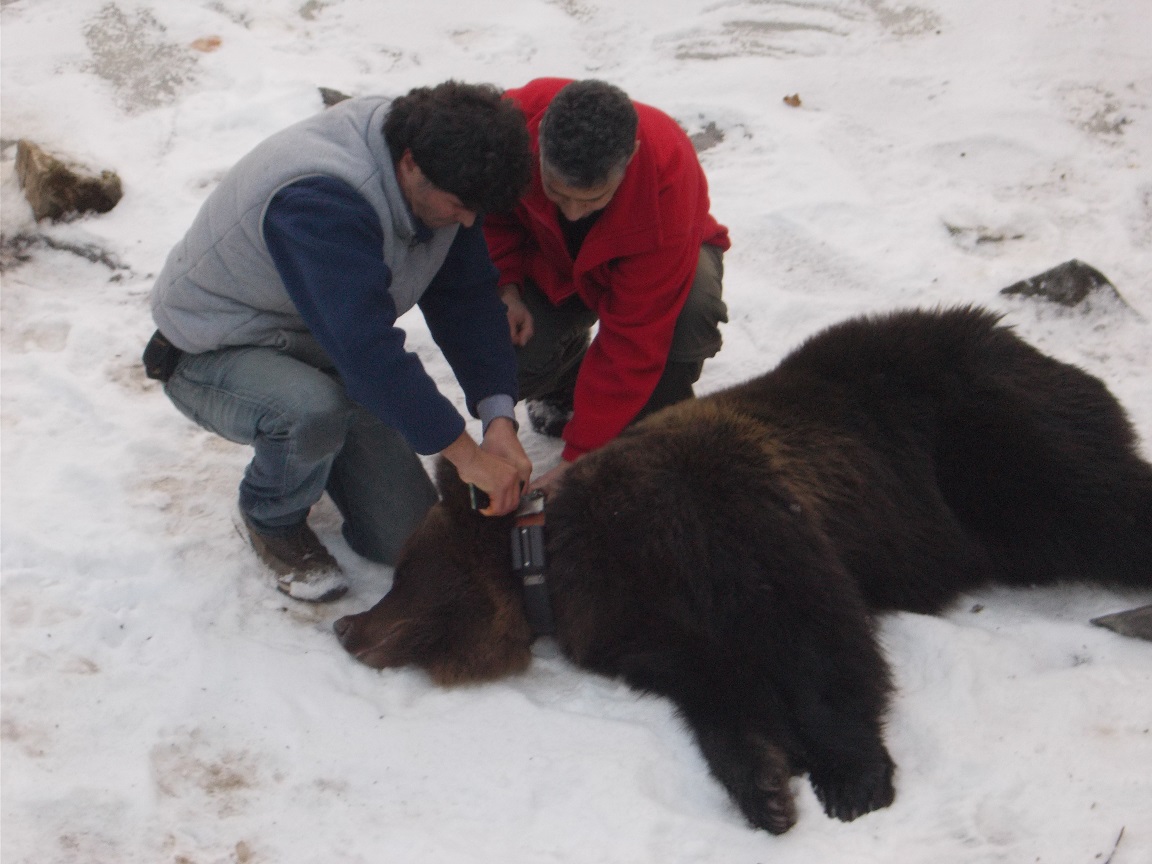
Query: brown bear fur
{"x": 728, "y": 552}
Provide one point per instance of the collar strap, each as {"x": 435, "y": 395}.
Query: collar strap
{"x": 530, "y": 564}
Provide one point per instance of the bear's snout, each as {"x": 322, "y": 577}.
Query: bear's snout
{"x": 359, "y": 637}
{"x": 342, "y": 626}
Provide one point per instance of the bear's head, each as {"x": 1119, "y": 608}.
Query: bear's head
{"x": 455, "y": 608}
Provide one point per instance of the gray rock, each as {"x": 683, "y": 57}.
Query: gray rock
{"x": 332, "y": 97}
{"x": 1068, "y": 284}
{"x": 1133, "y": 622}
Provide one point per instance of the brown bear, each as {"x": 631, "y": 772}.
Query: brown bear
{"x": 729, "y": 552}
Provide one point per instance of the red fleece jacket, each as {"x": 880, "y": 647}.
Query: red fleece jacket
{"x": 634, "y": 270}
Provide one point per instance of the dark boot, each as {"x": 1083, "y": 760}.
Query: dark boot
{"x": 549, "y": 413}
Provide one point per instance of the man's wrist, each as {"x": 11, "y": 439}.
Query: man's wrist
{"x": 461, "y": 451}
{"x": 513, "y": 425}
{"x": 497, "y": 405}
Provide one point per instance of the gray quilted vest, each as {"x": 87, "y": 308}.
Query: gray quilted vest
{"x": 219, "y": 286}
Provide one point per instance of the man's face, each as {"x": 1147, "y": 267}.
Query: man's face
{"x": 429, "y": 203}
{"x": 576, "y": 203}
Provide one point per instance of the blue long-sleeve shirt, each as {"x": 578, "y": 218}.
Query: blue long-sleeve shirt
{"x": 326, "y": 242}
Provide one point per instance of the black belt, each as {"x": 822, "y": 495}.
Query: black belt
{"x": 160, "y": 357}
{"x": 530, "y": 563}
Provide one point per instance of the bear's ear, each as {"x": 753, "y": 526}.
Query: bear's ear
{"x": 453, "y": 491}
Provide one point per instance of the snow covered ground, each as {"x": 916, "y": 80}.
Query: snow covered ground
{"x": 162, "y": 703}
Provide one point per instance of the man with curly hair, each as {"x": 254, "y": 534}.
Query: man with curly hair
{"x": 615, "y": 228}
{"x": 277, "y": 316}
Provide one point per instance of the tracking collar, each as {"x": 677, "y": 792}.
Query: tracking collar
{"x": 530, "y": 564}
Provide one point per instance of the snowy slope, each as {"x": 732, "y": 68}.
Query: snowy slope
{"x": 162, "y": 703}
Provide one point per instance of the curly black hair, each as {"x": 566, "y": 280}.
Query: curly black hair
{"x": 466, "y": 139}
{"x": 588, "y": 132}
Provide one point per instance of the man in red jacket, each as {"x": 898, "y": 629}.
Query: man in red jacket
{"x": 615, "y": 228}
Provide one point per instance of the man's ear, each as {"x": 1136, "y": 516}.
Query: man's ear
{"x": 634, "y": 150}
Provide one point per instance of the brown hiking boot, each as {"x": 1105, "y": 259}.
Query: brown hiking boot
{"x": 304, "y": 569}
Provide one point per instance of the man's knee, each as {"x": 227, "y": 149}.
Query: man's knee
{"x": 381, "y": 488}
{"x": 541, "y": 372}
{"x": 312, "y": 411}
{"x": 315, "y": 432}
{"x": 561, "y": 336}
{"x": 697, "y": 335}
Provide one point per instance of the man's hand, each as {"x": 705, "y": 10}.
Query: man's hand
{"x": 500, "y": 440}
{"x": 501, "y": 480}
{"x": 551, "y": 479}
{"x": 519, "y": 318}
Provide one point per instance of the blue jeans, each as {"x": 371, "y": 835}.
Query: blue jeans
{"x": 309, "y": 437}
